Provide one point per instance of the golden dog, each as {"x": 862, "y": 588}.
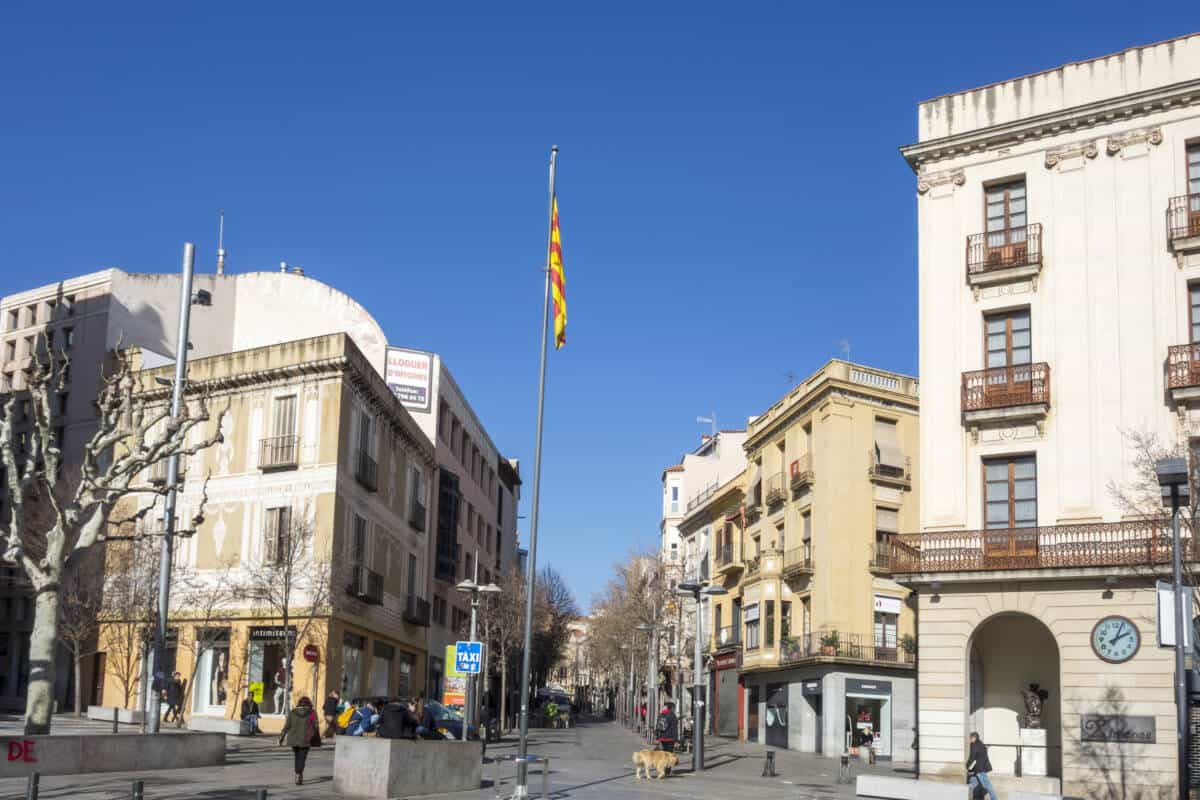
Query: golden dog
{"x": 660, "y": 760}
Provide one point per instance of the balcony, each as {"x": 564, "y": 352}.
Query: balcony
{"x": 801, "y": 472}
{"x": 416, "y": 516}
{"x": 416, "y": 611}
{"x": 881, "y": 557}
{"x": 834, "y": 645}
{"x": 726, "y": 638}
{"x": 278, "y": 452}
{"x": 1183, "y": 372}
{"x": 1183, "y": 223}
{"x": 724, "y": 557}
{"x": 776, "y": 489}
{"x": 1006, "y": 394}
{"x": 753, "y": 512}
{"x": 366, "y": 585}
{"x": 366, "y": 471}
{"x": 898, "y": 475}
{"x": 701, "y": 496}
{"x": 798, "y": 561}
{"x": 1002, "y": 256}
{"x": 157, "y": 473}
{"x": 1133, "y": 543}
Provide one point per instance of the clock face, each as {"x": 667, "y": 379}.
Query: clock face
{"x": 1116, "y": 639}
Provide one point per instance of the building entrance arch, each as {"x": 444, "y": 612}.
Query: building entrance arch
{"x": 1008, "y": 653}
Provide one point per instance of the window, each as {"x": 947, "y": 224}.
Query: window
{"x": 1010, "y": 492}
{"x": 889, "y": 458}
{"x": 359, "y": 543}
{"x": 14, "y": 319}
{"x": 1193, "y": 176}
{"x": 770, "y": 623}
{"x": 439, "y": 610}
{"x": 10, "y": 350}
{"x": 284, "y": 416}
{"x": 785, "y": 619}
{"x": 30, "y": 346}
{"x": 1004, "y": 209}
{"x": 32, "y": 315}
{"x": 364, "y": 432}
{"x": 806, "y": 614}
{"x": 1194, "y": 311}
{"x": 675, "y": 499}
{"x": 750, "y": 617}
{"x": 416, "y": 500}
{"x": 68, "y": 306}
{"x": 279, "y": 523}
{"x": 1008, "y": 339}
{"x": 443, "y": 422}
{"x": 806, "y": 527}
{"x": 885, "y": 630}
{"x": 467, "y": 570}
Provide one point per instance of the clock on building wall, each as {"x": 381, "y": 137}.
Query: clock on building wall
{"x": 1116, "y": 639}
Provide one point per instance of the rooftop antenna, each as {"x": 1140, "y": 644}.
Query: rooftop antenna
{"x": 711, "y": 420}
{"x": 844, "y": 346}
{"x": 221, "y": 244}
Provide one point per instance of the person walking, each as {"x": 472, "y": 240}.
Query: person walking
{"x": 978, "y": 767}
{"x": 300, "y": 732}
{"x": 174, "y": 694}
{"x": 250, "y": 714}
{"x": 668, "y": 727}
{"x": 330, "y": 708}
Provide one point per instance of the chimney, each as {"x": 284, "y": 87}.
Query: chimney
{"x": 220, "y": 260}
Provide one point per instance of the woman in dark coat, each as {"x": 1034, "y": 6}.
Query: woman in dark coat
{"x": 668, "y": 728}
{"x": 300, "y": 732}
{"x": 978, "y": 767}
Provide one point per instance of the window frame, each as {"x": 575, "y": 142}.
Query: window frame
{"x": 1010, "y": 460}
{"x": 1006, "y": 186}
{"x": 1193, "y": 288}
{"x": 1007, "y": 315}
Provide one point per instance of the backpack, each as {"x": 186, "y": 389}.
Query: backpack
{"x": 344, "y": 718}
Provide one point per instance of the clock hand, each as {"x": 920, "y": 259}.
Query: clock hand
{"x": 1121, "y": 632}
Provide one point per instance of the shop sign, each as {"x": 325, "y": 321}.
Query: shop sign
{"x": 1117, "y": 728}
{"x": 887, "y": 605}
{"x": 811, "y": 688}
{"x": 726, "y": 661}
{"x": 272, "y": 633}
{"x": 855, "y": 686}
{"x": 312, "y": 653}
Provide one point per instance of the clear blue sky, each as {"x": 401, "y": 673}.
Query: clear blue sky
{"x": 731, "y": 197}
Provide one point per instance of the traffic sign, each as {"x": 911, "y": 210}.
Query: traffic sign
{"x": 468, "y": 657}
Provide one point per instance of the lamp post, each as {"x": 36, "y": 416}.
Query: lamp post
{"x": 1172, "y": 476}
{"x": 474, "y": 589}
{"x": 628, "y": 689}
{"x": 696, "y": 590}
{"x": 649, "y": 631}
{"x": 186, "y": 301}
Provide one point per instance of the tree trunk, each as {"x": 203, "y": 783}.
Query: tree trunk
{"x": 78, "y": 686}
{"x": 43, "y": 642}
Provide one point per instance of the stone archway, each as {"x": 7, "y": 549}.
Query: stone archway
{"x": 1007, "y": 653}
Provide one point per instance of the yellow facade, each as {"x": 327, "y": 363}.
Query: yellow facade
{"x": 310, "y": 432}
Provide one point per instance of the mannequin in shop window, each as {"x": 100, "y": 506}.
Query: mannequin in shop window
{"x": 281, "y": 681}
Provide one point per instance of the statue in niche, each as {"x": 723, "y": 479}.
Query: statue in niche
{"x": 1035, "y": 701}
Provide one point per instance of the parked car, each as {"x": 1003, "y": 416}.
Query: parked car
{"x": 449, "y": 722}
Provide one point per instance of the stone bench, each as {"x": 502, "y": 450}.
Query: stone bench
{"x": 1019, "y": 795}
{"x": 109, "y": 752}
{"x": 232, "y": 727}
{"x": 889, "y": 788}
{"x": 367, "y": 766}
{"x": 125, "y": 716}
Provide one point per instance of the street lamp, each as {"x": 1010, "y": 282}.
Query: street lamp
{"x": 474, "y": 589}
{"x": 696, "y": 589}
{"x": 650, "y": 649}
{"x": 1172, "y": 476}
{"x": 625, "y": 701}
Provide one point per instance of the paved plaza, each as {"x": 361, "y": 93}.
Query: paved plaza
{"x": 588, "y": 761}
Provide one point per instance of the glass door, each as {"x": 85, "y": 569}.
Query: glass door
{"x": 752, "y": 715}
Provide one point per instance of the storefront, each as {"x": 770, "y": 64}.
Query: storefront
{"x": 869, "y": 715}
{"x": 211, "y": 690}
{"x": 724, "y": 691}
{"x": 267, "y": 667}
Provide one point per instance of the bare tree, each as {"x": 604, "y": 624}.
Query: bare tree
{"x": 79, "y": 616}
{"x": 128, "y": 610}
{"x": 135, "y": 431}
{"x": 555, "y": 608}
{"x": 504, "y": 625}
{"x": 291, "y": 582}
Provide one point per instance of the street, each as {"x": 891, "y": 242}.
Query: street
{"x": 588, "y": 761}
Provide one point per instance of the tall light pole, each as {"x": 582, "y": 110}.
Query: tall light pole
{"x": 186, "y": 299}
{"x": 696, "y": 590}
{"x": 1173, "y": 480}
{"x": 474, "y": 589}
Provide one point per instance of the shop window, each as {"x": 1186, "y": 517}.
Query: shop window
{"x": 769, "y": 636}
{"x": 381, "y": 670}
{"x": 751, "y": 621}
{"x": 211, "y": 690}
{"x": 268, "y": 667}
{"x": 353, "y": 646}
{"x": 404, "y": 686}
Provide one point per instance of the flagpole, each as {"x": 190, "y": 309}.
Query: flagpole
{"x": 521, "y": 789}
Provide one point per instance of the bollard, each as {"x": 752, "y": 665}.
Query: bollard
{"x": 769, "y": 765}
{"x": 138, "y": 791}
{"x": 31, "y": 788}
{"x": 115, "y": 718}
{"x": 844, "y": 774}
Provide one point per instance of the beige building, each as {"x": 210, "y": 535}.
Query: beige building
{"x": 1059, "y": 251}
{"x": 814, "y": 626}
{"x": 315, "y": 441}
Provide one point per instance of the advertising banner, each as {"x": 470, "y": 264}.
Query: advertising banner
{"x": 409, "y": 374}
{"x": 454, "y": 690}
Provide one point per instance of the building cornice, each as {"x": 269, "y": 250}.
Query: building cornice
{"x": 1076, "y": 118}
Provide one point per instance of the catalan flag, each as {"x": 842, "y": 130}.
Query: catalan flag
{"x": 558, "y": 279}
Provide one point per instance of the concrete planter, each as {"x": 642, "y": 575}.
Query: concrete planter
{"x": 122, "y": 752}
{"x": 126, "y": 716}
{"x": 371, "y": 767}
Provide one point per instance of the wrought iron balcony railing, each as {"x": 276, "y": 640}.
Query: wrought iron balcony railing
{"x": 366, "y": 585}
{"x": 776, "y": 489}
{"x": 1006, "y": 387}
{"x": 278, "y": 452}
{"x": 801, "y": 471}
{"x": 841, "y": 646}
{"x": 888, "y": 473}
{"x": 798, "y": 560}
{"x": 1183, "y": 366}
{"x": 1004, "y": 249}
{"x": 416, "y": 611}
{"x": 1130, "y": 543}
{"x": 1183, "y": 217}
